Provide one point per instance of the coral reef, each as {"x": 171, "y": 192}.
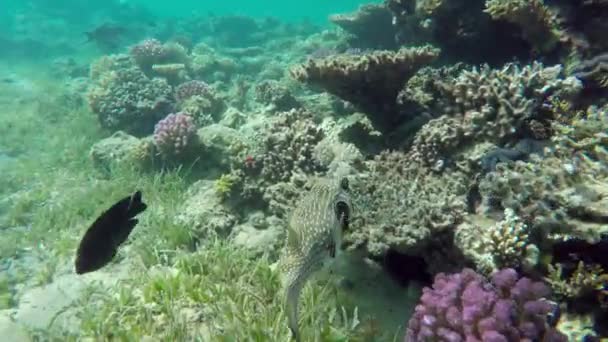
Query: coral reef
{"x": 273, "y": 93}
{"x": 466, "y": 307}
{"x": 593, "y": 72}
{"x": 492, "y": 246}
{"x": 128, "y": 100}
{"x": 371, "y": 80}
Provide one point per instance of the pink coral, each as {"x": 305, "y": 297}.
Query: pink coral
{"x": 173, "y": 134}
{"x": 466, "y": 307}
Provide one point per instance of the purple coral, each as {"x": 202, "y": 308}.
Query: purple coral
{"x": 193, "y": 88}
{"x": 173, "y": 134}
{"x": 466, "y": 307}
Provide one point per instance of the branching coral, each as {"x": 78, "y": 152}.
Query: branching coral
{"x": 489, "y": 105}
{"x": 583, "y": 280}
{"x": 288, "y": 146}
{"x": 594, "y": 72}
{"x": 371, "y": 80}
{"x": 175, "y": 134}
{"x": 200, "y": 100}
{"x": 491, "y": 246}
{"x": 563, "y": 193}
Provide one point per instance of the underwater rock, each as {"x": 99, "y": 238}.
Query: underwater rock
{"x": 259, "y": 240}
{"x": 121, "y": 148}
{"x": 204, "y": 213}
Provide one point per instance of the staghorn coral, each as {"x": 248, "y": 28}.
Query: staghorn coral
{"x": 126, "y": 99}
{"x": 532, "y": 16}
{"x": 371, "y": 80}
{"x": 489, "y": 105}
{"x": 582, "y": 281}
{"x": 564, "y": 193}
{"x": 466, "y": 307}
{"x": 403, "y": 207}
{"x": 174, "y": 135}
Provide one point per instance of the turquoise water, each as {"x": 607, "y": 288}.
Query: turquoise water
{"x": 314, "y": 10}
{"x": 422, "y": 144}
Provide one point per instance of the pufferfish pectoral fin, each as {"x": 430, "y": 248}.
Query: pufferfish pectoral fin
{"x": 332, "y": 249}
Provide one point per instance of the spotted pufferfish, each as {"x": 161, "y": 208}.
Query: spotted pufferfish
{"x": 314, "y": 235}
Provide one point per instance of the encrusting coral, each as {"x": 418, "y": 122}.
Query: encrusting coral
{"x": 403, "y": 207}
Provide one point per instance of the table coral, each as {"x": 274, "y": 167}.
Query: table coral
{"x": 371, "y": 80}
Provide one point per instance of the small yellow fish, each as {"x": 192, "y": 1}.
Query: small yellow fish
{"x": 314, "y": 235}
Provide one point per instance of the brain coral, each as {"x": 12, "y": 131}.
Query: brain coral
{"x": 125, "y": 99}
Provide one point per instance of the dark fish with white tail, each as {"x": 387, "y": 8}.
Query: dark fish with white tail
{"x": 111, "y": 229}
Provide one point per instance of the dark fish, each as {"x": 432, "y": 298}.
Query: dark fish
{"x": 100, "y": 243}
{"x": 106, "y": 35}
